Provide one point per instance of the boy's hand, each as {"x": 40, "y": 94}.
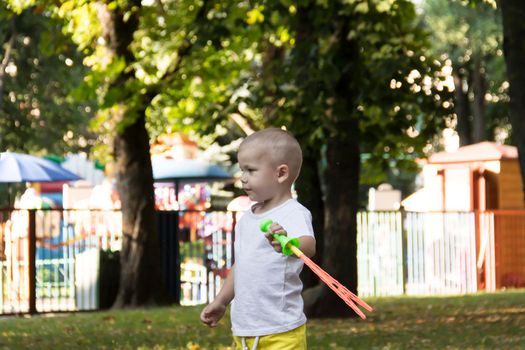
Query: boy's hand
{"x": 275, "y": 228}
{"x": 212, "y": 313}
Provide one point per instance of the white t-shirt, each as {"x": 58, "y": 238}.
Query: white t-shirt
{"x": 266, "y": 283}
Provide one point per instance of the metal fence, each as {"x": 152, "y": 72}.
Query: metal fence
{"x": 67, "y": 260}
{"x": 440, "y": 253}
{"x": 49, "y": 259}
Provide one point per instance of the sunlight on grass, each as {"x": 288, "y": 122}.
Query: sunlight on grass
{"x": 481, "y": 321}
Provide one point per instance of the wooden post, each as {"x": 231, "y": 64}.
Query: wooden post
{"x": 32, "y": 261}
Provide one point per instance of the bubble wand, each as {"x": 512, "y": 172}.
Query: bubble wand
{"x": 291, "y": 246}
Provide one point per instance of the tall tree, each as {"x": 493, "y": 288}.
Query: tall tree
{"x": 514, "y": 48}
{"x": 470, "y": 41}
{"x": 150, "y": 64}
{"x": 353, "y": 78}
{"x": 127, "y": 99}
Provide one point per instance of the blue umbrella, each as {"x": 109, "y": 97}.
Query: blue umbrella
{"x": 186, "y": 170}
{"x": 17, "y": 167}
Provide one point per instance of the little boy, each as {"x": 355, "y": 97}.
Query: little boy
{"x": 267, "y": 309}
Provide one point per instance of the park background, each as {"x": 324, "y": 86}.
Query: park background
{"x": 373, "y": 90}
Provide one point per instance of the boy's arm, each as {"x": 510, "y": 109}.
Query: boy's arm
{"x": 307, "y": 245}
{"x": 214, "y": 311}
{"x": 226, "y": 293}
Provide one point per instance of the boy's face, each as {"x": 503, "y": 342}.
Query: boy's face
{"x": 259, "y": 175}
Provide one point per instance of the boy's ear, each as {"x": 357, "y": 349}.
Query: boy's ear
{"x": 283, "y": 172}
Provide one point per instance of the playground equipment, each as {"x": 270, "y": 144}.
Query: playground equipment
{"x": 291, "y": 246}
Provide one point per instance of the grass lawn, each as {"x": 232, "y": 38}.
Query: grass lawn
{"x": 481, "y": 321}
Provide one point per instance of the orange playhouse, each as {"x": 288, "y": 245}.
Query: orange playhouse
{"x": 483, "y": 179}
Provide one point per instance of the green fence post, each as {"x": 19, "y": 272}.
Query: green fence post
{"x": 32, "y": 261}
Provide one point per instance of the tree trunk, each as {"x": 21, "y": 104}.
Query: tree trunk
{"x": 308, "y": 188}
{"x": 513, "y": 13}
{"x": 479, "y": 88}
{"x": 309, "y": 183}
{"x": 140, "y": 278}
{"x": 462, "y": 108}
{"x": 341, "y": 181}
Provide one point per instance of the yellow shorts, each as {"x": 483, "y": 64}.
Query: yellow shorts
{"x": 291, "y": 340}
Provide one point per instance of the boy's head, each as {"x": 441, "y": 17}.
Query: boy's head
{"x": 274, "y": 154}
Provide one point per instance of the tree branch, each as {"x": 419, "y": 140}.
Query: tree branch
{"x": 7, "y": 56}
{"x": 242, "y": 123}
{"x": 183, "y": 51}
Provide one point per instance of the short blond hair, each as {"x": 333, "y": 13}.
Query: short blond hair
{"x": 280, "y": 145}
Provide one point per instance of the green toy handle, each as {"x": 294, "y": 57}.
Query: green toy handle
{"x": 286, "y": 242}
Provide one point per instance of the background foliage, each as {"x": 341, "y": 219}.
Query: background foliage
{"x": 41, "y": 69}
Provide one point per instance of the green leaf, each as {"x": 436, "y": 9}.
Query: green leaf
{"x": 362, "y": 8}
